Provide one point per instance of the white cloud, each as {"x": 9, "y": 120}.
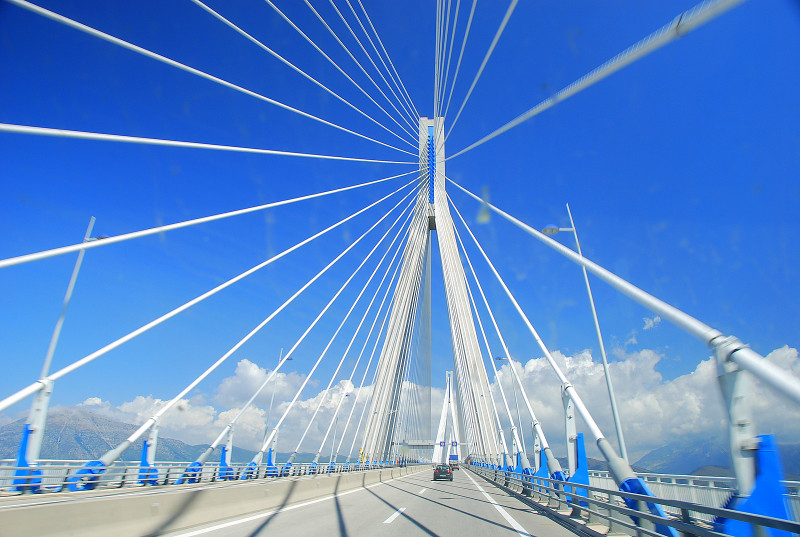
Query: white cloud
{"x": 186, "y": 421}
{"x": 649, "y": 323}
{"x": 248, "y": 377}
{"x": 195, "y": 422}
{"x": 654, "y": 411}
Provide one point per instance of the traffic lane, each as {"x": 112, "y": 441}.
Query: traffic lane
{"x": 465, "y": 507}
{"x": 374, "y": 510}
{"x": 352, "y": 513}
{"x": 533, "y": 521}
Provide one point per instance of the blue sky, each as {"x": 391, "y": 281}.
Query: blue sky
{"x": 681, "y": 172}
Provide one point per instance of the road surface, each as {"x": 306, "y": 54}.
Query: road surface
{"x": 413, "y": 505}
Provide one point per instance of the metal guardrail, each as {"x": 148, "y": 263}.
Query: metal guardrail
{"x": 606, "y": 507}
{"x": 703, "y": 490}
{"x": 55, "y": 473}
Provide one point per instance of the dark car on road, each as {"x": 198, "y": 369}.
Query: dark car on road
{"x": 442, "y": 471}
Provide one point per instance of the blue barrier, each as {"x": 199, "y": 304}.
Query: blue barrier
{"x": 191, "y": 474}
{"x": 581, "y": 475}
{"x": 26, "y": 478}
{"x": 249, "y": 471}
{"x": 766, "y": 498}
{"x": 226, "y": 472}
{"x": 148, "y": 474}
{"x": 87, "y": 477}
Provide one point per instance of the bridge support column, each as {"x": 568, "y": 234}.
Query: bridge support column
{"x": 570, "y": 430}
{"x": 735, "y": 386}
{"x": 755, "y": 460}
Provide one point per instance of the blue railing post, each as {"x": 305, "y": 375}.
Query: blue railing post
{"x": 148, "y": 474}
{"x": 26, "y": 478}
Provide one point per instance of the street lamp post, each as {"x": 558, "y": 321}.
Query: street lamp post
{"x": 333, "y": 444}
{"x": 552, "y": 230}
{"x": 272, "y": 397}
{"x": 34, "y": 429}
{"x": 271, "y": 458}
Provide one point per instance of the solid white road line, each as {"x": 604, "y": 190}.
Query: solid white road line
{"x": 420, "y": 493}
{"x": 394, "y": 515}
{"x": 516, "y": 525}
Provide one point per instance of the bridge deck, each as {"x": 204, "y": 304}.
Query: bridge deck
{"x": 408, "y": 506}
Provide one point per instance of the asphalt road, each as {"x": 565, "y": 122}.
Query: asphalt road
{"x": 408, "y": 506}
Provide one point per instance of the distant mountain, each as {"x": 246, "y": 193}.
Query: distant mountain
{"x": 713, "y": 471}
{"x": 75, "y": 433}
{"x": 599, "y": 465}
{"x": 594, "y": 464}
{"x": 684, "y": 457}
{"x": 709, "y": 456}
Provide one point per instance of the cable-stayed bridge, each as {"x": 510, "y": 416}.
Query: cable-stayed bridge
{"x": 371, "y": 330}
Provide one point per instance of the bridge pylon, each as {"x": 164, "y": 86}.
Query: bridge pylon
{"x": 470, "y": 383}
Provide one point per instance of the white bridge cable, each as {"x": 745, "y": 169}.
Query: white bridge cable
{"x": 442, "y": 48}
{"x": 397, "y": 403}
{"x": 681, "y": 25}
{"x": 347, "y": 316}
{"x": 450, "y": 53}
{"x": 392, "y": 284}
{"x": 470, "y": 372}
{"x": 362, "y": 454}
{"x": 296, "y": 69}
{"x": 501, "y": 440}
{"x": 567, "y": 385}
{"x": 408, "y": 401}
{"x": 325, "y": 23}
{"x": 462, "y": 318}
{"x": 391, "y": 352}
{"x": 436, "y": 59}
{"x": 154, "y": 419}
{"x": 460, "y": 56}
{"x": 393, "y": 355}
{"x": 406, "y": 412}
{"x": 778, "y": 378}
{"x": 369, "y": 57}
{"x": 178, "y": 225}
{"x": 98, "y": 136}
{"x": 303, "y": 336}
{"x": 36, "y": 386}
{"x": 502, "y": 344}
{"x": 554, "y": 467}
{"x": 497, "y": 35}
{"x": 308, "y": 376}
{"x": 419, "y": 401}
{"x": 367, "y": 404}
{"x": 183, "y": 67}
{"x": 364, "y": 346}
{"x": 438, "y": 55}
{"x": 458, "y": 318}
{"x": 332, "y": 62}
{"x": 400, "y": 98}
{"x": 391, "y": 64}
